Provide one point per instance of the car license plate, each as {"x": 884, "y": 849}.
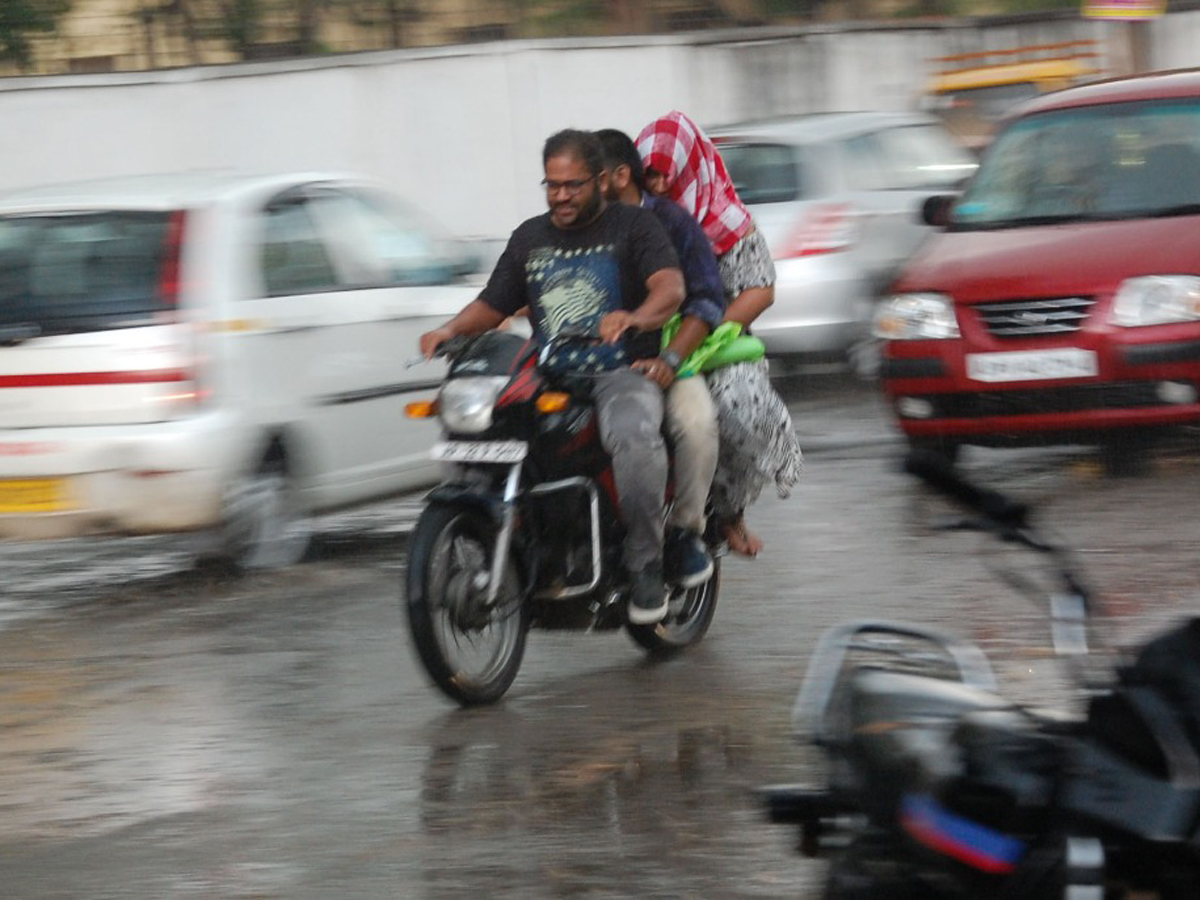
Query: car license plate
{"x": 1031, "y": 365}
{"x": 480, "y": 451}
{"x": 33, "y": 495}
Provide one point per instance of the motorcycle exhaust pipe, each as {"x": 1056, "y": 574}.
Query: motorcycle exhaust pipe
{"x": 825, "y": 823}
{"x": 794, "y": 805}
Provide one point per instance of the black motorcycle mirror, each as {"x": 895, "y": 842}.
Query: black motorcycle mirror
{"x": 997, "y": 509}
{"x": 1071, "y": 604}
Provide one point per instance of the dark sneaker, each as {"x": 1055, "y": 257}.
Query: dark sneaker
{"x": 686, "y": 558}
{"x": 648, "y": 596}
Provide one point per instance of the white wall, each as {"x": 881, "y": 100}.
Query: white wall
{"x": 459, "y": 130}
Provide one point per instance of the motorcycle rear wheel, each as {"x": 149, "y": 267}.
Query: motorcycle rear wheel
{"x": 689, "y": 614}
{"x": 470, "y": 649}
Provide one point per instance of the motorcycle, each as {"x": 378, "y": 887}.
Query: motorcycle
{"x": 937, "y": 787}
{"x": 525, "y": 529}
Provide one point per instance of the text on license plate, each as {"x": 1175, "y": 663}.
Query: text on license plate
{"x": 480, "y": 451}
{"x": 33, "y": 495}
{"x": 1031, "y": 365}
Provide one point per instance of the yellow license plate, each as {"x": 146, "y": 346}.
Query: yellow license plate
{"x": 33, "y": 495}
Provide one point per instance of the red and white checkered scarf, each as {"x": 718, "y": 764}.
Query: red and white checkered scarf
{"x": 696, "y": 177}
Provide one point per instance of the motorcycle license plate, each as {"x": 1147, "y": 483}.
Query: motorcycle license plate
{"x": 480, "y": 451}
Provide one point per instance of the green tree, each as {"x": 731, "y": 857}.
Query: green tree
{"x": 290, "y": 26}
{"x": 242, "y": 22}
{"x": 21, "y": 18}
{"x": 395, "y": 16}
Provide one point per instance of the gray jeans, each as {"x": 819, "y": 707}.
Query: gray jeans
{"x": 629, "y": 410}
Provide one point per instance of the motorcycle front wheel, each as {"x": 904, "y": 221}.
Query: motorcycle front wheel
{"x": 470, "y": 648}
{"x": 689, "y": 613}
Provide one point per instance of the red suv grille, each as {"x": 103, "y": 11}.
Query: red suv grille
{"x": 1029, "y": 318}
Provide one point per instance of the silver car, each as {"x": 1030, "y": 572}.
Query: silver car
{"x": 838, "y": 197}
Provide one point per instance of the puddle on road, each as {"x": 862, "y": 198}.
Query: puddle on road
{"x": 654, "y": 796}
{"x": 45, "y": 576}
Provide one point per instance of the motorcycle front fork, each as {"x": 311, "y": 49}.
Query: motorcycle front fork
{"x": 504, "y": 536}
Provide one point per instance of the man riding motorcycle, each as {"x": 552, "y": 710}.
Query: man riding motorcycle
{"x": 690, "y": 414}
{"x": 588, "y": 265}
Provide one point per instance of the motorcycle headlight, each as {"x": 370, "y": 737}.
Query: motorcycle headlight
{"x": 1157, "y": 300}
{"x": 465, "y": 404}
{"x": 915, "y": 317}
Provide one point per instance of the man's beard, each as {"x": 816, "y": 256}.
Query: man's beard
{"x": 589, "y": 212}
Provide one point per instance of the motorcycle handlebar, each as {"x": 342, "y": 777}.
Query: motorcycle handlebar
{"x": 447, "y": 349}
{"x": 452, "y": 347}
{"x": 573, "y": 332}
{"x": 1008, "y": 519}
{"x": 997, "y": 509}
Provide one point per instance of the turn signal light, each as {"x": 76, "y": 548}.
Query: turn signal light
{"x": 553, "y": 401}
{"x": 421, "y": 409}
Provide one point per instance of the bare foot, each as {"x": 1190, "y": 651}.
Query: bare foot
{"x": 741, "y": 539}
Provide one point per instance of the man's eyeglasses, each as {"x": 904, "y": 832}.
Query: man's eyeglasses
{"x": 572, "y": 187}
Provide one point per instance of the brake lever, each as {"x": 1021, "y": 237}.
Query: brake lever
{"x": 447, "y": 349}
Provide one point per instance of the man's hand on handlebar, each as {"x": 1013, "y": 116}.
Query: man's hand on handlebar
{"x": 614, "y": 324}
{"x": 475, "y": 318}
{"x": 431, "y": 340}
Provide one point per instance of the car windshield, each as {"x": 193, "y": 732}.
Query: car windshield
{"x": 82, "y": 271}
{"x": 1115, "y": 161}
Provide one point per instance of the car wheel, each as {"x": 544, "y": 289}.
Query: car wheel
{"x": 944, "y": 448}
{"x": 264, "y": 526}
{"x": 1125, "y": 455}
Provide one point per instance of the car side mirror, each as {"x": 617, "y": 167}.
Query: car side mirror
{"x": 935, "y": 210}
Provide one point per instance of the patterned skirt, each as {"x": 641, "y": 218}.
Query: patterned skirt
{"x": 758, "y": 439}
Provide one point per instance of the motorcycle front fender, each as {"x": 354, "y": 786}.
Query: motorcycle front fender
{"x": 469, "y": 495}
{"x": 478, "y": 496}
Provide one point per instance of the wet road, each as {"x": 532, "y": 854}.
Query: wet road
{"x": 168, "y": 735}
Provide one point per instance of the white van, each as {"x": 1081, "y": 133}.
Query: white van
{"x": 215, "y": 353}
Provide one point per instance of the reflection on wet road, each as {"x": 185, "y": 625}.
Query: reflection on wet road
{"x": 171, "y": 734}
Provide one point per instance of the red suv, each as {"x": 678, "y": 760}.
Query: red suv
{"x": 1060, "y": 301}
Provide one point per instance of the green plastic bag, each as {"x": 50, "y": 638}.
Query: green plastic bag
{"x": 725, "y": 346}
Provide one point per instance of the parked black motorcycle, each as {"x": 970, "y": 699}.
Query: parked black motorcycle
{"x": 937, "y": 787}
{"x": 525, "y": 530}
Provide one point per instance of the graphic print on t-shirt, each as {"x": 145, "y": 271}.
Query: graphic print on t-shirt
{"x": 575, "y": 288}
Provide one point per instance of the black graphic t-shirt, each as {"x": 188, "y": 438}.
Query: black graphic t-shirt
{"x": 574, "y": 277}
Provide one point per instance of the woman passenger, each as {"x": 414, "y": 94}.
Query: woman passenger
{"x": 758, "y": 440}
